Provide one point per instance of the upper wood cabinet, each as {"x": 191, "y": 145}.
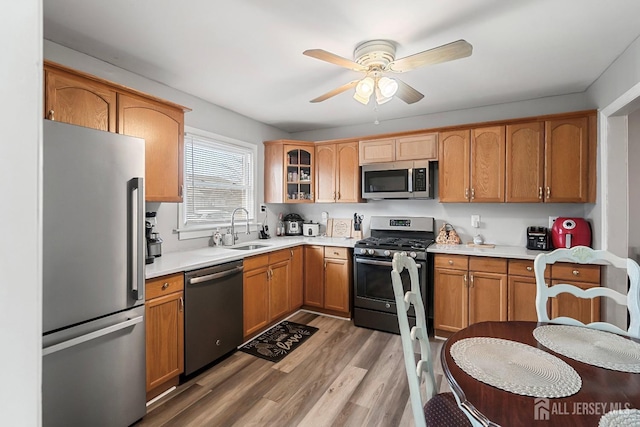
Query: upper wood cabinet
{"x": 566, "y": 160}
{"x": 289, "y": 171}
{"x": 453, "y": 170}
{"x": 337, "y": 173}
{"x": 162, "y": 128}
{"x": 81, "y": 99}
{"x": 549, "y": 161}
{"x": 472, "y": 165}
{"x": 546, "y": 159}
{"x": 417, "y": 147}
{"x": 525, "y": 162}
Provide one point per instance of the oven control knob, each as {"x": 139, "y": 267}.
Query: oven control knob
{"x": 387, "y": 253}
{"x": 371, "y": 251}
{"x": 363, "y": 251}
{"x": 413, "y": 254}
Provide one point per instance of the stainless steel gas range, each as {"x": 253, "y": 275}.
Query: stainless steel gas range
{"x": 374, "y": 303}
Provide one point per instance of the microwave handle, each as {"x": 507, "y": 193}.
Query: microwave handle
{"x": 410, "y": 180}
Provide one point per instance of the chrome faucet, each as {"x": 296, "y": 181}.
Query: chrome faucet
{"x": 233, "y": 224}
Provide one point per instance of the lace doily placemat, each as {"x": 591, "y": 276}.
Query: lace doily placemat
{"x": 591, "y": 346}
{"x": 621, "y": 418}
{"x": 515, "y": 367}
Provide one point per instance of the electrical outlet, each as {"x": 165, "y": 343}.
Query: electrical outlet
{"x": 475, "y": 221}
{"x": 263, "y": 207}
{"x": 552, "y": 219}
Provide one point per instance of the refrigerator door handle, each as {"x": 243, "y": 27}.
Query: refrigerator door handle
{"x": 136, "y": 239}
{"x": 91, "y": 336}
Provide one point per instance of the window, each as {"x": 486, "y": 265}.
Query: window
{"x": 219, "y": 177}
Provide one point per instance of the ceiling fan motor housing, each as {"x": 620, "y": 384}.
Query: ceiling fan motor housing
{"x": 375, "y": 53}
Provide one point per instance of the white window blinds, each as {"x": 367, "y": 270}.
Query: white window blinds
{"x": 218, "y": 179}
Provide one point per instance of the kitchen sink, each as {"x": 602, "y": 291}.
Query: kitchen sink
{"x": 248, "y": 247}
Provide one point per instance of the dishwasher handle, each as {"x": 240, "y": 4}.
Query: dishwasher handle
{"x": 206, "y": 278}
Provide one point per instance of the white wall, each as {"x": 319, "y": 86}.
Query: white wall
{"x": 204, "y": 115}
{"x": 634, "y": 187}
{"x": 20, "y": 252}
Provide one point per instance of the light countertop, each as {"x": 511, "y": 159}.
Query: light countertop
{"x": 500, "y": 251}
{"x": 174, "y": 262}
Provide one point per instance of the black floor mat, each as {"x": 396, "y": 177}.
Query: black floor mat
{"x": 275, "y": 343}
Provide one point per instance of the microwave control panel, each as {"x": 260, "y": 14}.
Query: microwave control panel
{"x": 420, "y": 179}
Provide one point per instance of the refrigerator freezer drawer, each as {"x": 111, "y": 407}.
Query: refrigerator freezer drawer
{"x": 94, "y": 374}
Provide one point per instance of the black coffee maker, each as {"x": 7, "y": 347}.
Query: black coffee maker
{"x": 154, "y": 242}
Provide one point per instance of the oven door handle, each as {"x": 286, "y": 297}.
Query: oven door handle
{"x": 381, "y": 263}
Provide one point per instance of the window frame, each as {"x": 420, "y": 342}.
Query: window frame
{"x": 194, "y": 231}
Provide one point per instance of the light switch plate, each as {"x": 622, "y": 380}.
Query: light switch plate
{"x": 475, "y": 221}
{"x": 263, "y": 207}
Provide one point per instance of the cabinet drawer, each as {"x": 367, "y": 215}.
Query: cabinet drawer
{"x": 488, "y": 265}
{"x": 257, "y": 261}
{"x": 524, "y": 267}
{"x": 163, "y": 285}
{"x": 279, "y": 256}
{"x": 455, "y": 262}
{"x": 333, "y": 252}
{"x": 576, "y": 272}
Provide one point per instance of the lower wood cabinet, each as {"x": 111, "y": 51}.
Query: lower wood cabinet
{"x": 164, "y": 312}
{"x": 327, "y": 279}
{"x": 266, "y": 290}
{"x": 582, "y": 276}
{"x": 469, "y": 289}
{"x": 297, "y": 278}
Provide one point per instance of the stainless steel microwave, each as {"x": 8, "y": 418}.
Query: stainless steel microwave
{"x": 397, "y": 180}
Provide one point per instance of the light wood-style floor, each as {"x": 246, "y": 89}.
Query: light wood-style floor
{"x": 341, "y": 376}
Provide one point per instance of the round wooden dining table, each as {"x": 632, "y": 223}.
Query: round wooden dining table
{"x": 602, "y": 389}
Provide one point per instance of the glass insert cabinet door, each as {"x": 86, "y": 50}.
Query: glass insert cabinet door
{"x": 299, "y": 178}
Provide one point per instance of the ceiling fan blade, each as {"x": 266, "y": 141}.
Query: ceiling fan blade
{"x": 336, "y": 91}
{"x": 332, "y": 58}
{"x": 447, "y": 52}
{"x": 407, "y": 93}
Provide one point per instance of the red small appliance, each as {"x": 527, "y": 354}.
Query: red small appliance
{"x": 570, "y": 232}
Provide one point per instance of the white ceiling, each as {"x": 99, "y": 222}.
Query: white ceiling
{"x": 246, "y": 55}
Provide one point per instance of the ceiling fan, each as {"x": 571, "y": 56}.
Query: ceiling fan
{"x": 376, "y": 58}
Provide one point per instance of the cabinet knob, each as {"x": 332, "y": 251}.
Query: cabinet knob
{"x": 387, "y": 305}
{"x": 473, "y": 193}
{"x": 540, "y": 193}
{"x": 51, "y": 115}
{"x": 575, "y": 272}
{"x": 548, "y": 192}
{"x": 465, "y": 279}
{"x": 181, "y": 304}
{"x": 165, "y": 285}
{"x": 450, "y": 262}
{"x": 529, "y": 268}
{"x": 218, "y": 342}
{"x": 466, "y": 193}
{"x": 471, "y": 277}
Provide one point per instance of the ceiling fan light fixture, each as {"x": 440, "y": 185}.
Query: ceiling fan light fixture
{"x": 388, "y": 87}
{"x": 361, "y": 99}
{"x": 380, "y": 98}
{"x": 365, "y": 87}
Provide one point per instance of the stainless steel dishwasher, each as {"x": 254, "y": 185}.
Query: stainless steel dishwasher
{"x": 213, "y": 314}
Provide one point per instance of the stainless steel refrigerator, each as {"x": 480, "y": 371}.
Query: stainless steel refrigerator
{"x": 93, "y": 371}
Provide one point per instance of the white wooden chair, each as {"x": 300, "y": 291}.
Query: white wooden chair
{"x": 586, "y": 255}
{"x": 440, "y": 409}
